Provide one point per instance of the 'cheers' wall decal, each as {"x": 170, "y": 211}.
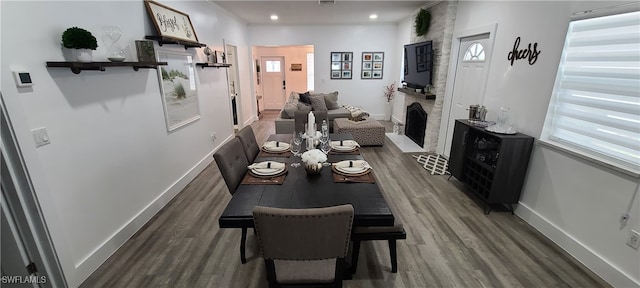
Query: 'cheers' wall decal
{"x": 530, "y": 53}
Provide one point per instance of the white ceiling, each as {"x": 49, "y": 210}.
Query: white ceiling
{"x": 310, "y": 12}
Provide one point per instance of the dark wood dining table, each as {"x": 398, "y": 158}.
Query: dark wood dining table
{"x": 300, "y": 190}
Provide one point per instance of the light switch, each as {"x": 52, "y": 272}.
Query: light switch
{"x": 40, "y": 136}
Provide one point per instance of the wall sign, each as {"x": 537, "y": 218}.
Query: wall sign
{"x": 530, "y": 53}
{"x": 171, "y": 23}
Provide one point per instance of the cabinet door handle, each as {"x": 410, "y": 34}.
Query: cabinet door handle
{"x": 464, "y": 138}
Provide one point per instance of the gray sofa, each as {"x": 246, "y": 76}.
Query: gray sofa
{"x": 285, "y": 121}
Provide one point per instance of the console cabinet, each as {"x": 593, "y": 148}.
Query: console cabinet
{"x": 492, "y": 165}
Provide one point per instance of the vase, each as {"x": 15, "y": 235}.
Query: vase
{"x": 313, "y": 168}
{"x": 84, "y": 55}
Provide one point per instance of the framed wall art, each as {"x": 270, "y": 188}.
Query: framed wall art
{"x": 178, "y": 89}
{"x": 171, "y": 23}
{"x": 341, "y": 65}
{"x": 372, "y": 65}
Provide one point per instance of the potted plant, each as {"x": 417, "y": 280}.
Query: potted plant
{"x": 82, "y": 41}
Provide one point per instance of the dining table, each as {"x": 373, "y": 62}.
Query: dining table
{"x": 301, "y": 190}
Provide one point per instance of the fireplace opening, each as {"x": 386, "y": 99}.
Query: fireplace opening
{"x": 416, "y": 123}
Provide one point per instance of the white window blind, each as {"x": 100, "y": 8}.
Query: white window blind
{"x": 595, "y": 105}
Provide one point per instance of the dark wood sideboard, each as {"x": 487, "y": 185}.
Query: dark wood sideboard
{"x": 492, "y": 165}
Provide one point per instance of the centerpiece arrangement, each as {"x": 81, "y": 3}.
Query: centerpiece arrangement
{"x": 313, "y": 161}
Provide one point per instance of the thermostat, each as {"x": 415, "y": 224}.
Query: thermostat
{"x": 22, "y": 78}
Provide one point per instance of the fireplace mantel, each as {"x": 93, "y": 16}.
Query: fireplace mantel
{"x": 412, "y": 92}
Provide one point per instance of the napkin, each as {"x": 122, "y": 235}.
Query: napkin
{"x": 345, "y": 144}
{"x": 267, "y": 165}
{"x": 276, "y": 145}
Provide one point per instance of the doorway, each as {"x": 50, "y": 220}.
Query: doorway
{"x": 273, "y": 82}
{"x": 234, "y": 86}
{"x": 469, "y": 80}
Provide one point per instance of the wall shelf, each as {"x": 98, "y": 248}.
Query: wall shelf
{"x": 77, "y": 67}
{"x": 165, "y": 40}
{"x": 427, "y": 96}
{"x": 213, "y": 65}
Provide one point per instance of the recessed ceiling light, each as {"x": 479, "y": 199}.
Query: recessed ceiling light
{"x": 373, "y": 16}
{"x": 274, "y": 17}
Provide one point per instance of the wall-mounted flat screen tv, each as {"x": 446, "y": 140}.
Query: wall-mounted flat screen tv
{"x": 418, "y": 64}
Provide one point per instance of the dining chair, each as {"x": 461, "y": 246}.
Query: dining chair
{"x": 249, "y": 143}
{"x": 302, "y": 117}
{"x": 304, "y": 247}
{"x": 232, "y": 162}
{"x": 389, "y": 233}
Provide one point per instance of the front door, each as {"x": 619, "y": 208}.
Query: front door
{"x": 470, "y": 80}
{"x": 273, "y": 82}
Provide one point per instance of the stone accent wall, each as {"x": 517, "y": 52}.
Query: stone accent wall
{"x": 441, "y": 33}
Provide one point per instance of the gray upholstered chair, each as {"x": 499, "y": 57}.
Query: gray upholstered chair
{"x": 233, "y": 163}
{"x": 389, "y": 233}
{"x": 302, "y": 117}
{"x": 304, "y": 246}
{"x": 249, "y": 143}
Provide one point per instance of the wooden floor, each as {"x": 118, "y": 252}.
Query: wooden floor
{"x": 450, "y": 242}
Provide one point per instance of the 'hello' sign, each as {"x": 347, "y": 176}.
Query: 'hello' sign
{"x": 530, "y": 53}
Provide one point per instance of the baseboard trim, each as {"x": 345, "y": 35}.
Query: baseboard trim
{"x": 575, "y": 248}
{"x": 88, "y": 265}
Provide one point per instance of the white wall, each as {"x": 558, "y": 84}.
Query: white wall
{"x": 111, "y": 164}
{"x": 575, "y": 203}
{"x": 368, "y": 94}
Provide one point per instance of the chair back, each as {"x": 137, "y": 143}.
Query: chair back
{"x": 302, "y": 117}
{"x": 249, "y": 143}
{"x": 303, "y": 234}
{"x": 232, "y": 163}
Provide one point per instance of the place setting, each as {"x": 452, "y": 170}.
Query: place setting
{"x": 356, "y": 171}
{"x": 349, "y": 147}
{"x": 275, "y": 149}
{"x": 266, "y": 172}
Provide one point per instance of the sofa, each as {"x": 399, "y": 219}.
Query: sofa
{"x": 309, "y": 101}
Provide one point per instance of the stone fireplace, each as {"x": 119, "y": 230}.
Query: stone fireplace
{"x": 416, "y": 123}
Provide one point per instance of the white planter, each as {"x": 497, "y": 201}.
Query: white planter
{"x": 84, "y": 55}
{"x": 388, "y": 110}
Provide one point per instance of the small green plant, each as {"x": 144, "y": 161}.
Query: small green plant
{"x": 179, "y": 89}
{"x": 422, "y": 22}
{"x": 78, "y": 38}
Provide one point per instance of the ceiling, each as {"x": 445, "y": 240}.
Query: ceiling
{"x": 303, "y": 12}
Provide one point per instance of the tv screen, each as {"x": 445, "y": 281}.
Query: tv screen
{"x": 418, "y": 64}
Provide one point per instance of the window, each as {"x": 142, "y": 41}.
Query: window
{"x": 595, "y": 106}
{"x": 272, "y": 66}
{"x": 310, "y": 72}
{"x": 475, "y": 53}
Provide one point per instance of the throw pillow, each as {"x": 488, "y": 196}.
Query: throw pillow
{"x": 303, "y": 107}
{"x": 317, "y": 103}
{"x": 290, "y": 110}
{"x": 304, "y": 97}
{"x": 331, "y": 100}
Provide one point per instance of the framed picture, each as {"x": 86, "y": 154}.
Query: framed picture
{"x": 145, "y": 51}
{"x": 296, "y": 67}
{"x": 372, "y": 65}
{"x": 219, "y": 57}
{"x": 341, "y": 65}
{"x": 178, "y": 89}
{"x": 171, "y": 23}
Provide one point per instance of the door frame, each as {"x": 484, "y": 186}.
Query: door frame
{"x": 238, "y": 92}
{"x": 451, "y": 75}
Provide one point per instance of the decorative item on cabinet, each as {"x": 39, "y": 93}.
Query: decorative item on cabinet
{"x": 81, "y": 41}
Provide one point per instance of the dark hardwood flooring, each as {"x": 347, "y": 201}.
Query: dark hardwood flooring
{"x": 450, "y": 242}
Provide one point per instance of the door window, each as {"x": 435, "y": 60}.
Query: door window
{"x": 273, "y": 66}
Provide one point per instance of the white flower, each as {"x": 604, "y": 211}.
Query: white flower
{"x": 314, "y": 156}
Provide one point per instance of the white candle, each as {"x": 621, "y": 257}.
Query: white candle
{"x": 310, "y": 121}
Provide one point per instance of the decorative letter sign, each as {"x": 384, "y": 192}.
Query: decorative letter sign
{"x": 529, "y": 53}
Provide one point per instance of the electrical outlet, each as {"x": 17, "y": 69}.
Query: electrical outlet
{"x": 634, "y": 239}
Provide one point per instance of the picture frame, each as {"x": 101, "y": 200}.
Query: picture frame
{"x": 178, "y": 89}
{"x": 219, "y": 57}
{"x": 341, "y": 65}
{"x": 145, "y": 51}
{"x": 296, "y": 67}
{"x": 171, "y": 23}
{"x": 372, "y": 65}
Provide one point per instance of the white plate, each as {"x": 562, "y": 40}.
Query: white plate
{"x": 495, "y": 129}
{"x": 343, "y": 148}
{"x": 267, "y": 171}
{"x": 359, "y": 166}
{"x": 271, "y": 146}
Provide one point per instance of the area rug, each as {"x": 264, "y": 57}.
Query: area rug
{"x": 434, "y": 164}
